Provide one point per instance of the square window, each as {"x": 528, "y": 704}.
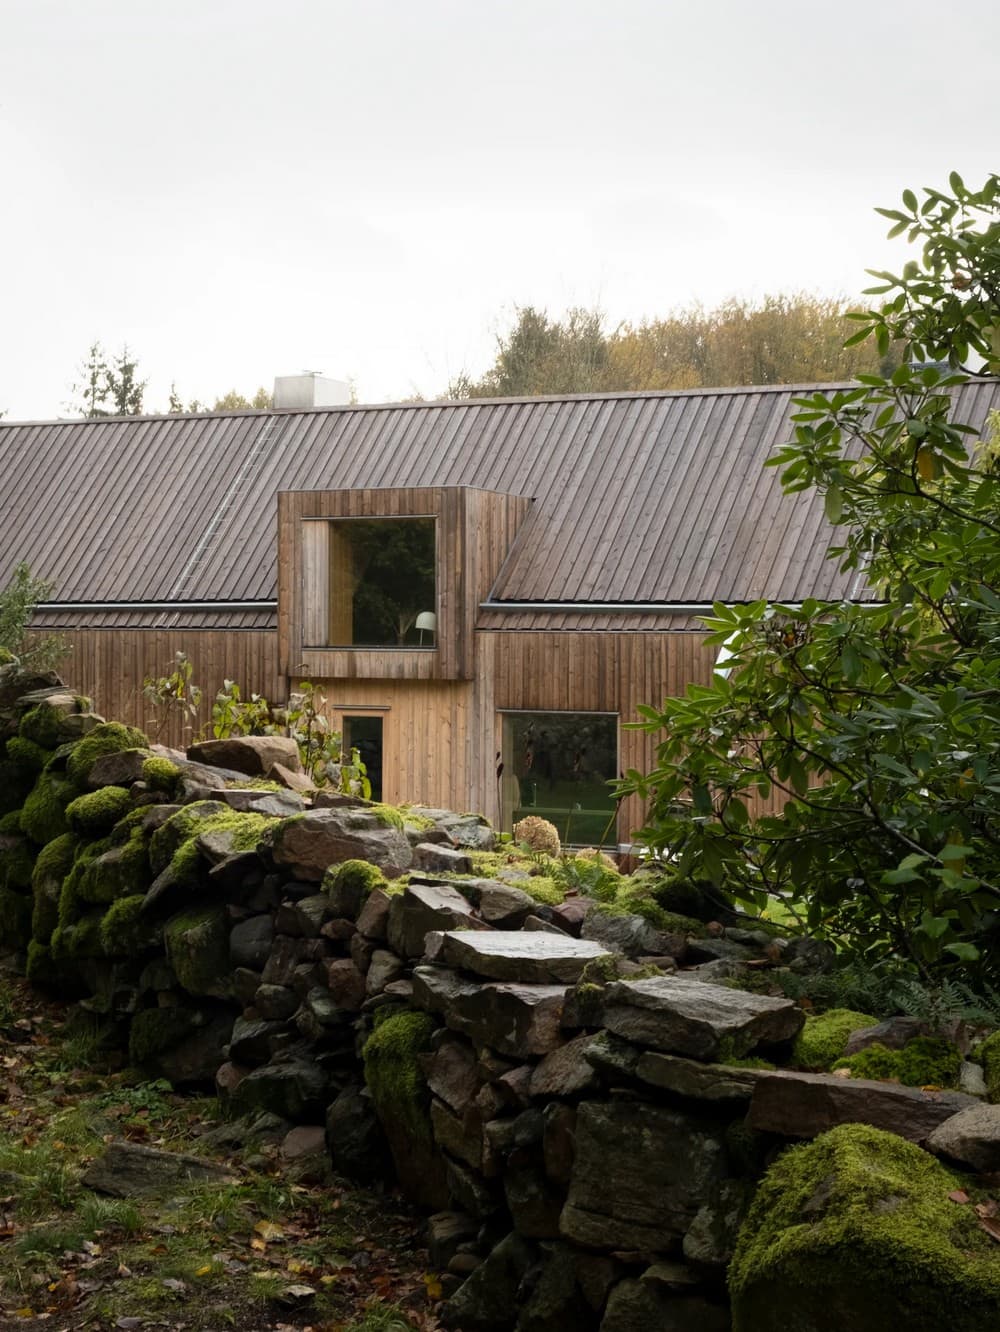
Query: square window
{"x": 383, "y": 583}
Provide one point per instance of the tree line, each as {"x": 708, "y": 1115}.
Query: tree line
{"x": 781, "y": 339}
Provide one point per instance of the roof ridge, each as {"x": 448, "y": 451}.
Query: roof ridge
{"x": 705, "y": 391}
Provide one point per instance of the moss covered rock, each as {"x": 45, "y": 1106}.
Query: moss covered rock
{"x": 175, "y": 842}
{"x": 27, "y": 755}
{"x": 399, "y": 1093}
{"x": 43, "y": 816}
{"x": 78, "y": 939}
{"x": 107, "y": 738}
{"x": 57, "y": 720}
{"x": 197, "y": 945}
{"x": 822, "y": 1040}
{"x": 349, "y": 885}
{"x": 856, "y": 1230}
{"x": 117, "y": 872}
{"x": 127, "y": 932}
{"x": 55, "y": 860}
{"x": 160, "y": 774}
{"x": 96, "y": 813}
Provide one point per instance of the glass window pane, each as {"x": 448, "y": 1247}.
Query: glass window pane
{"x": 558, "y": 765}
{"x": 383, "y": 590}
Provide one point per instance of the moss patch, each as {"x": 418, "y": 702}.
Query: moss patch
{"x": 349, "y": 885}
{"x": 107, "y": 738}
{"x": 53, "y": 864}
{"x": 43, "y": 817}
{"x": 856, "y": 1230}
{"x": 78, "y": 939}
{"x": 388, "y": 815}
{"x": 393, "y": 1073}
{"x": 923, "y": 1062}
{"x": 43, "y": 726}
{"x": 197, "y": 946}
{"x": 160, "y": 774}
{"x": 29, "y": 756}
{"x": 96, "y": 813}
{"x": 821, "y": 1041}
{"x": 174, "y": 843}
{"x": 127, "y": 932}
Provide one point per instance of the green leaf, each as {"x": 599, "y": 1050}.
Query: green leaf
{"x": 965, "y": 952}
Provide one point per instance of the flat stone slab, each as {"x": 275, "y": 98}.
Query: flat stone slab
{"x": 129, "y": 1170}
{"x": 679, "y": 1015}
{"x": 521, "y": 956}
{"x": 803, "y": 1105}
{"x": 518, "y": 1020}
{"x": 700, "y": 1082}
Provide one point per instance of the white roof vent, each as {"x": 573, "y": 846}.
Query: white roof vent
{"x": 311, "y": 390}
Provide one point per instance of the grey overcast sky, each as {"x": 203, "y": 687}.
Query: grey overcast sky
{"x": 244, "y": 188}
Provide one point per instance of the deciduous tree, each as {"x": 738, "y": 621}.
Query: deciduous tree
{"x": 877, "y": 726}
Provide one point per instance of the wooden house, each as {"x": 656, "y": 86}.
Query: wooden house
{"x": 485, "y": 589}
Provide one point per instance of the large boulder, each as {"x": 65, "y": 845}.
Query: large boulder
{"x": 129, "y": 1170}
{"x": 312, "y": 842}
{"x": 253, "y": 755}
{"x": 856, "y": 1230}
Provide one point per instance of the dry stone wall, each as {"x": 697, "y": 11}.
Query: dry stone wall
{"x": 583, "y": 1108}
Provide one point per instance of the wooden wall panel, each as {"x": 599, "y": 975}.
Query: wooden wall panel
{"x": 319, "y": 614}
{"x": 429, "y": 753}
{"x": 109, "y": 666}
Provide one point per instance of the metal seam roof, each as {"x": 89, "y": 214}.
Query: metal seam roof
{"x": 640, "y": 497}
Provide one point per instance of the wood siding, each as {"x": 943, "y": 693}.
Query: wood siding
{"x": 441, "y": 739}
{"x": 475, "y": 530}
{"x": 109, "y": 666}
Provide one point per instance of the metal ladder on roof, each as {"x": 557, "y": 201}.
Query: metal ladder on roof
{"x": 242, "y": 484}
